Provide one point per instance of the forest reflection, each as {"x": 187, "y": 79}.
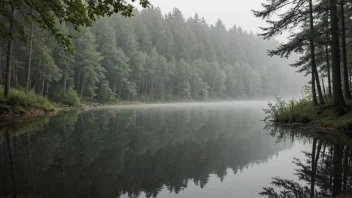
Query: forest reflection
{"x": 325, "y": 171}
{"x": 131, "y": 152}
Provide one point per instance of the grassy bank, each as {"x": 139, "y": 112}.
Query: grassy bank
{"x": 20, "y": 103}
{"x": 304, "y": 112}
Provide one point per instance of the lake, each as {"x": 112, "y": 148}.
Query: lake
{"x": 194, "y": 150}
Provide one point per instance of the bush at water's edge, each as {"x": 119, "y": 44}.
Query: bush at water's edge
{"x": 303, "y": 111}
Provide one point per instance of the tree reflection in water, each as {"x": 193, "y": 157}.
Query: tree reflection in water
{"x": 110, "y": 153}
{"x": 325, "y": 172}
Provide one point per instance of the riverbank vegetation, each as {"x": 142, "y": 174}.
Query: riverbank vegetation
{"x": 37, "y": 48}
{"x": 321, "y": 38}
{"x": 303, "y": 112}
{"x": 149, "y": 57}
{"x": 19, "y": 102}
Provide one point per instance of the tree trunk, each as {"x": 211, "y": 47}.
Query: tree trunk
{"x": 320, "y": 93}
{"x": 146, "y": 87}
{"x": 9, "y": 149}
{"x": 47, "y": 88}
{"x": 320, "y": 144}
{"x": 345, "y": 168}
{"x": 328, "y": 67}
{"x": 29, "y": 59}
{"x": 36, "y": 84}
{"x": 312, "y": 52}
{"x": 119, "y": 89}
{"x": 43, "y": 85}
{"x": 115, "y": 85}
{"x": 30, "y": 160}
{"x": 79, "y": 81}
{"x": 325, "y": 159}
{"x": 2, "y": 167}
{"x": 322, "y": 82}
{"x": 314, "y": 95}
{"x": 1, "y": 61}
{"x": 151, "y": 94}
{"x": 65, "y": 80}
{"x": 312, "y": 182}
{"x": 350, "y": 78}
{"x": 83, "y": 82}
{"x": 9, "y": 53}
{"x": 337, "y": 170}
{"x": 346, "y": 85}
{"x": 331, "y": 167}
{"x": 102, "y": 90}
{"x": 15, "y": 70}
{"x": 315, "y": 159}
{"x": 338, "y": 100}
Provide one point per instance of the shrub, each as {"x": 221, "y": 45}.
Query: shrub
{"x": 70, "y": 98}
{"x": 288, "y": 112}
{"x": 20, "y": 101}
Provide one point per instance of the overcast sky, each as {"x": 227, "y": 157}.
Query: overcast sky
{"x": 231, "y": 12}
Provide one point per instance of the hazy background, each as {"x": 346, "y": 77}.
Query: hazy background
{"x": 231, "y": 12}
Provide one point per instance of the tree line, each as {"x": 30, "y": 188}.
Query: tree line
{"x": 150, "y": 56}
{"x": 320, "y": 32}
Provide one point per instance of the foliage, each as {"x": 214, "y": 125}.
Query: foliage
{"x": 20, "y": 101}
{"x": 69, "y": 98}
{"x": 49, "y": 14}
{"x": 302, "y": 111}
{"x": 125, "y": 58}
{"x": 291, "y": 189}
{"x": 292, "y": 111}
{"x": 316, "y": 29}
{"x": 151, "y": 57}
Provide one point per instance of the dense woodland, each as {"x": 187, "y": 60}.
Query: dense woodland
{"x": 320, "y": 32}
{"x": 149, "y": 56}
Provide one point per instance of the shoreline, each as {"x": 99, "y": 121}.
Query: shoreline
{"x": 55, "y": 109}
{"x": 322, "y": 121}
{"x": 319, "y": 126}
{"x": 32, "y": 112}
{"x": 310, "y": 126}
{"x": 303, "y": 112}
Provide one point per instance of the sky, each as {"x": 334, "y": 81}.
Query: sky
{"x": 231, "y": 12}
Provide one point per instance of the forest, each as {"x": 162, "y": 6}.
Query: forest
{"x": 320, "y": 33}
{"x": 150, "y": 56}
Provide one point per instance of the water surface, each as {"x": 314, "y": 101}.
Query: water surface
{"x": 191, "y": 150}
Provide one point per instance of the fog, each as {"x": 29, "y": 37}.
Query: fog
{"x": 173, "y": 51}
{"x": 231, "y": 12}
{"x": 239, "y": 14}
{"x": 234, "y": 104}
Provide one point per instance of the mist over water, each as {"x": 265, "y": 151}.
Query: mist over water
{"x": 162, "y": 150}
{"x": 196, "y": 76}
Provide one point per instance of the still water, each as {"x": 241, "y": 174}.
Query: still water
{"x": 200, "y": 150}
